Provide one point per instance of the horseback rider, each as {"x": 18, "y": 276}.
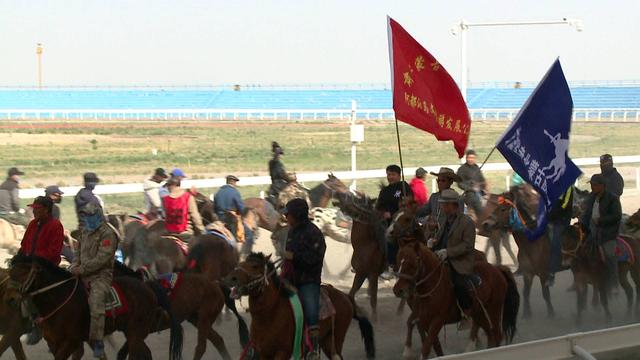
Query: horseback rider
{"x": 54, "y": 193}
{"x": 151, "y": 187}
{"x": 614, "y": 183}
{"x": 418, "y": 187}
{"x": 279, "y": 176}
{"x": 445, "y": 179}
{"x": 43, "y": 238}
{"x": 228, "y": 203}
{"x": 175, "y": 173}
{"x": 10, "y": 199}
{"x": 472, "y": 182}
{"x": 181, "y": 212}
{"x": 601, "y": 222}
{"x": 388, "y": 204}
{"x": 454, "y": 243}
{"x": 304, "y": 254}
{"x": 559, "y": 220}
{"x": 94, "y": 260}
{"x": 44, "y": 235}
{"x": 86, "y": 196}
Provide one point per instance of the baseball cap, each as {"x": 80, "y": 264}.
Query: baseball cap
{"x": 161, "y": 173}
{"x": 232, "y": 177}
{"x": 91, "y": 177}
{"x": 420, "y": 172}
{"x": 14, "y": 171}
{"x": 53, "y": 189}
{"x": 178, "y": 173}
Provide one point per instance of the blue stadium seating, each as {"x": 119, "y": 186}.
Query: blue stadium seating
{"x": 627, "y": 97}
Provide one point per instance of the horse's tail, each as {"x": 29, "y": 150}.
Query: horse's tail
{"x": 243, "y": 330}
{"x": 511, "y": 305}
{"x": 176, "y": 335}
{"x": 366, "y": 329}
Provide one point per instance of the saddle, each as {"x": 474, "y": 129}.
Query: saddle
{"x": 181, "y": 244}
{"x": 624, "y": 252}
{"x": 171, "y": 283}
{"x": 218, "y": 229}
{"x": 115, "y": 304}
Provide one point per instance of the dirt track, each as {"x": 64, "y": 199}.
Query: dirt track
{"x": 390, "y": 329}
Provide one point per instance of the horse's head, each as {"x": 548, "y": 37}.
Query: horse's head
{"x": 335, "y": 184}
{"x": 573, "y": 239}
{"x": 250, "y": 276}
{"x": 580, "y": 201}
{"x": 405, "y": 227}
{"x": 205, "y": 206}
{"x": 409, "y": 270}
{"x": 27, "y": 274}
{"x": 499, "y": 218}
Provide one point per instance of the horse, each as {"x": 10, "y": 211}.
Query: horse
{"x": 368, "y": 242}
{"x": 268, "y": 216}
{"x": 588, "y": 268}
{"x": 63, "y": 298}
{"x": 426, "y": 278}
{"x": 11, "y": 323}
{"x": 194, "y": 298}
{"x": 10, "y": 236}
{"x": 533, "y": 256}
{"x": 272, "y": 324}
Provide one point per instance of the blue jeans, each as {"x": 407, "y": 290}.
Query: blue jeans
{"x": 248, "y": 241}
{"x": 555, "y": 245}
{"x": 310, "y": 298}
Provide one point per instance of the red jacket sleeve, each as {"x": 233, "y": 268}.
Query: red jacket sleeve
{"x": 25, "y": 244}
{"x": 55, "y": 238}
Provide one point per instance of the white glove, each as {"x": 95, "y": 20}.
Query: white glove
{"x": 431, "y": 243}
{"x": 442, "y": 254}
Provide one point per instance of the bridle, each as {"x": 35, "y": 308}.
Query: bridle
{"x": 257, "y": 283}
{"x": 413, "y": 279}
{"x": 504, "y": 201}
{"x": 23, "y": 290}
{"x": 581, "y": 236}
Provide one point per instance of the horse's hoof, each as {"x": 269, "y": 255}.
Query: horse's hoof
{"x": 407, "y": 353}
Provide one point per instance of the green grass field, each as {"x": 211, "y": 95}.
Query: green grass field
{"x": 58, "y": 153}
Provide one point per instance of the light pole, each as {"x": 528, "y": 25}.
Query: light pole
{"x": 39, "y": 53}
{"x": 462, "y": 27}
{"x": 357, "y": 136}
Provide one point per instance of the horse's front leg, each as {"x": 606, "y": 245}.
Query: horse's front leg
{"x": 433, "y": 330}
{"x": 547, "y": 296}
{"x": 407, "y": 353}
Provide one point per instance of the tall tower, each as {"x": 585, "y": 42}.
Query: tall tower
{"x": 39, "y": 53}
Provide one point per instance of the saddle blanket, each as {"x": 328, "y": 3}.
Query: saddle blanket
{"x": 327, "y": 309}
{"x": 623, "y": 251}
{"x": 221, "y": 235}
{"x": 116, "y": 304}
{"x": 170, "y": 282}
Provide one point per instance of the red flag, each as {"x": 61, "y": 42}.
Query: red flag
{"x": 424, "y": 94}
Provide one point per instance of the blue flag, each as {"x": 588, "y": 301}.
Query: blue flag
{"x": 536, "y": 144}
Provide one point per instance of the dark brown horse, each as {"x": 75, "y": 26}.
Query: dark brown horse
{"x": 195, "y": 299}
{"x": 11, "y": 323}
{"x": 272, "y": 321}
{"x": 587, "y": 267}
{"x": 368, "y": 242}
{"x": 427, "y": 279}
{"x": 533, "y": 256}
{"x": 62, "y": 301}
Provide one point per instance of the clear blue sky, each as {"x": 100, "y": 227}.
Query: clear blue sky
{"x": 89, "y": 42}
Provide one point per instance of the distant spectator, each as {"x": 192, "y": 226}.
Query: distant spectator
{"x": 54, "y": 193}
{"x": 614, "y": 183}
{"x": 418, "y": 187}
{"x": 10, "y": 198}
{"x": 151, "y": 187}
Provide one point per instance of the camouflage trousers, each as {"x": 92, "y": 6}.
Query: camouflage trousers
{"x": 99, "y": 287}
{"x": 293, "y": 191}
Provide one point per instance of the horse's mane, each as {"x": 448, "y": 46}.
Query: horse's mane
{"x": 48, "y": 267}
{"x": 359, "y": 207}
{"x": 261, "y": 258}
{"x": 120, "y": 269}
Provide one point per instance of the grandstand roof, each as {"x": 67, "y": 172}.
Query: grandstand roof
{"x": 623, "y": 95}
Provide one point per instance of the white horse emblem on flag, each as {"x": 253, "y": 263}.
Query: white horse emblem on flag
{"x": 558, "y": 164}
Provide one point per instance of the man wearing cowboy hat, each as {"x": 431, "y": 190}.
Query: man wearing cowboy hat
{"x": 454, "y": 243}
{"x": 229, "y": 208}
{"x": 445, "y": 179}
{"x": 10, "y": 199}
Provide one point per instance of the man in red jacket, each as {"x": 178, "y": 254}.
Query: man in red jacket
{"x": 44, "y": 235}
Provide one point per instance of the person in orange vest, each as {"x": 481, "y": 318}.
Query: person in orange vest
{"x": 182, "y": 218}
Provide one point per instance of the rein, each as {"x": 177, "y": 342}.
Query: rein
{"x": 4, "y": 280}
{"x": 424, "y": 279}
{"x": 262, "y": 280}
{"x": 574, "y": 252}
{"x": 42, "y": 319}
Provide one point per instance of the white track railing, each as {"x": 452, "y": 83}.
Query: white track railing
{"x": 589, "y": 115}
{"x": 308, "y": 177}
{"x": 562, "y": 347}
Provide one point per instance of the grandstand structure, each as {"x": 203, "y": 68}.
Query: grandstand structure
{"x": 593, "y": 101}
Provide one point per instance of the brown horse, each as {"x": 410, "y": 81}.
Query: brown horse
{"x": 63, "y": 300}
{"x": 533, "y": 256}
{"x": 11, "y": 323}
{"x": 368, "y": 242}
{"x": 427, "y": 279}
{"x": 272, "y": 324}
